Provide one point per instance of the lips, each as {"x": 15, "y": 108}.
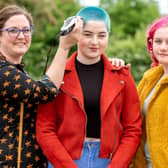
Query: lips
{"x": 93, "y": 49}
{"x": 20, "y": 44}
{"x": 163, "y": 55}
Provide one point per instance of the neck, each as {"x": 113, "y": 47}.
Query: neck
{"x": 11, "y": 59}
{"x": 88, "y": 61}
{"x": 165, "y": 69}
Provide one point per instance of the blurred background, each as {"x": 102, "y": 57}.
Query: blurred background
{"x": 129, "y": 22}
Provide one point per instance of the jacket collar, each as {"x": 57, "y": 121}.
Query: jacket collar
{"x": 70, "y": 66}
{"x": 153, "y": 74}
{"x": 110, "y": 87}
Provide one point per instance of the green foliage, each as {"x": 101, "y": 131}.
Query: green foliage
{"x": 132, "y": 50}
{"x": 129, "y": 20}
{"x": 48, "y": 21}
{"x": 48, "y": 18}
{"x": 128, "y": 16}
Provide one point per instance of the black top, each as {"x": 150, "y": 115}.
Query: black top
{"x": 91, "y": 78}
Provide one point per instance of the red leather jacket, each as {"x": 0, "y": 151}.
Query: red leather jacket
{"x": 61, "y": 124}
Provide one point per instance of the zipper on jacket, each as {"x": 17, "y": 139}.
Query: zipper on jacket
{"x": 80, "y": 105}
{"x": 117, "y": 122}
{"x": 116, "y": 127}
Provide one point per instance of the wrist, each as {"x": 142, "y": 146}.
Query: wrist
{"x": 63, "y": 49}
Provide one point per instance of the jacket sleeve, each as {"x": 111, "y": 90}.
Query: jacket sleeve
{"x": 47, "y": 137}
{"x": 131, "y": 123}
{"x": 17, "y": 86}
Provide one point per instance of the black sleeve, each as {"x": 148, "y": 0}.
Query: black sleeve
{"x": 16, "y": 85}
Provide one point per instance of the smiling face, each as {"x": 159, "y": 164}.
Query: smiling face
{"x": 160, "y": 45}
{"x": 93, "y": 42}
{"x": 14, "y": 48}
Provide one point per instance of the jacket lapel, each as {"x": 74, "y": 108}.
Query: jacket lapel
{"x": 112, "y": 85}
{"x": 110, "y": 89}
{"x": 71, "y": 81}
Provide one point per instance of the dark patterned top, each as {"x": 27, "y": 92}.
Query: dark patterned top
{"x": 16, "y": 87}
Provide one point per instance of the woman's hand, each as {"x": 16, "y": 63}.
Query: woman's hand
{"x": 70, "y": 39}
{"x": 118, "y": 62}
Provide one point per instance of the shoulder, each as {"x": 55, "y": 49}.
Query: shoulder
{"x": 4, "y": 65}
{"x": 122, "y": 71}
{"x": 155, "y": 71}
{"x": 125, "y": 70}
{"x": 150, "y": 76}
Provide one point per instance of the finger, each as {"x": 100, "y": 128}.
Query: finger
{"x": 128, "y": 65}
{"x": 78, "y": 24}
{"x": 122, "y": 63}
{"x": 110, "y": 59}
{"x": 117, "y": 62}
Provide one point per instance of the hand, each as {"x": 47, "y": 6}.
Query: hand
{"x": 118, "y": 62}
{"x": 69, "y": 40}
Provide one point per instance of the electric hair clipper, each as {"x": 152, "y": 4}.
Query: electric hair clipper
{"x": 68, "y": 25}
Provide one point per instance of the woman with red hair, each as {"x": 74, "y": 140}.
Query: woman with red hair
{"x": 153, "y": 93}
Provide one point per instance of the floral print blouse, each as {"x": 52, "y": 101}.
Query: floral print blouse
{"x": 17, "y": 87}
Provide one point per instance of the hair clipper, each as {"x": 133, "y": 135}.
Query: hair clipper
{"x": 68, "y": 25}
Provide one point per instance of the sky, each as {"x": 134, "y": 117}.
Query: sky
{"x": 89, "y": 2}
{"x": 163, "y": 4}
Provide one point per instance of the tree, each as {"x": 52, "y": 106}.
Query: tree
{"x": 129, "y": 20}
{"x": 48, "y": 18}
{"x": 129, "y": 16}
{"x": 127, "y": 39}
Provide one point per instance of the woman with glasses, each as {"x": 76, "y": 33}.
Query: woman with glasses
{"x": 19, "y": 93}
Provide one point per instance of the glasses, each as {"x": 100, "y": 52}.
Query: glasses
{"x": 14, "y": 32}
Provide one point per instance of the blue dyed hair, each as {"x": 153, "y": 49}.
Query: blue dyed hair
{"x": 95, "y": 13}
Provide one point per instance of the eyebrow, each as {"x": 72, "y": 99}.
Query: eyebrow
{"x": 87, "y": 31}
{"x": 18, "y": 27}
{"x": 155, "y": 38}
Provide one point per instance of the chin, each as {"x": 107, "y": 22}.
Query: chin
{"x": 20, "y": 54}
{"x": 164, "y": 63}
{"x": 21, "y": 51}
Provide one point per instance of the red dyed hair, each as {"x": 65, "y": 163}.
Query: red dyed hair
{"x": 151, "y": 31}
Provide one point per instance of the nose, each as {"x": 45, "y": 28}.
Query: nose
{"x": 95, "y": 39}
{"x": 20, "y": 34}
{"x": 164, "y": 46}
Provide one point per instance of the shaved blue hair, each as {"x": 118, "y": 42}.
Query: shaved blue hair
{"x": 93, "y": 13}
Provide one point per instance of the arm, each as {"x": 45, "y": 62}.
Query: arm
{"x": 131, "y": 122}
{"x": 47, "y": 137}
{"x": 56, "y": 69}
{"x": 17, "y": 86}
